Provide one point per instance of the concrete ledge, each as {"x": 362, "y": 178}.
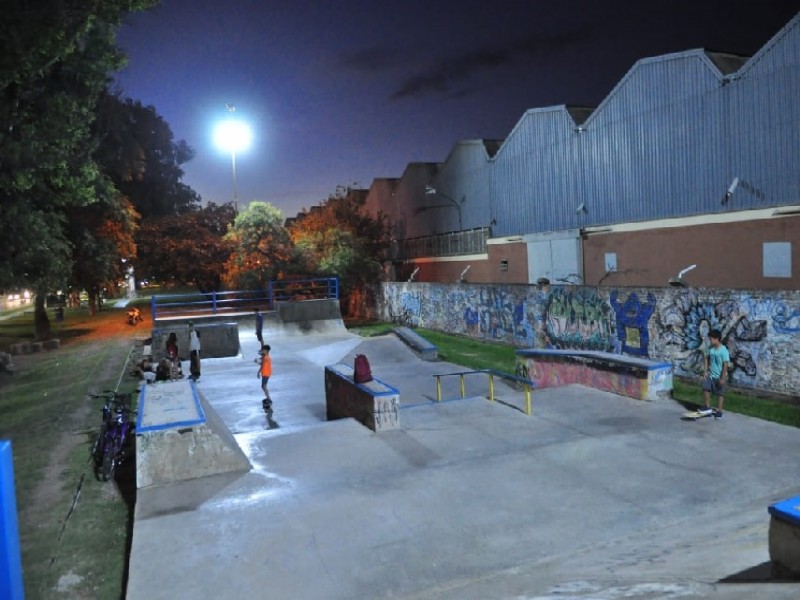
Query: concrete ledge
{"x": 373, "y": 404}
{"x": 52, "y": 344}
{"x": 6, "y": 365}
{"x": 37, "y": 346}
{"x": 180, "y": 439}
{"x": 784, "y": 536}
{"x": 625, "y": 375}
{"x": 420, "y": 345}
{"x": 216, "y": 340}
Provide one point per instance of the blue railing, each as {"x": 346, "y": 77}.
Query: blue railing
{"x": 241, "y": 301}
{"x": 10, "y": 553}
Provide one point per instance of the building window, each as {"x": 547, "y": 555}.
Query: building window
{"x": 611, "y": 262}
{"x": 777, "y": 259}
{"x": 504, "y": 265}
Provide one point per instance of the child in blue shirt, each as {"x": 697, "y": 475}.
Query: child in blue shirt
{"x": 715, "y": 375}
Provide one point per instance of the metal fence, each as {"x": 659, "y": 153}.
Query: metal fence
{"x": 453, "y": 243}
{"x": 239, "y": 301}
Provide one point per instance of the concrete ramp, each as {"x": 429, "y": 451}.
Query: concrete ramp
{"x": 184, "y": 452}
{"x": 305, "y": 317}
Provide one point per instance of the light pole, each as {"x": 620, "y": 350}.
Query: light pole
{"x": 432, "y": 191}
{"x": 233, "y": 136}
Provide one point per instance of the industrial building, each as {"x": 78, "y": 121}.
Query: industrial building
{"x": 690, "y": 166}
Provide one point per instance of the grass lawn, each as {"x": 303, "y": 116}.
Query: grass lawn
{"x": 73, "y": 529}
{"x": 477, "y": 354}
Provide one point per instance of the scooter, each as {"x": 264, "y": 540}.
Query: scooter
{"x": 134, "y": 316}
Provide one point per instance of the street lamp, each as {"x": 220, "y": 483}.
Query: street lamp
{"x": 432, "y": 191}
{"x": 233, "y": 136}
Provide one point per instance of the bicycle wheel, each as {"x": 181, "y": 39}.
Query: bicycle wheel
{"x": 109, "y": 459}
{"x": 99, "y": 446}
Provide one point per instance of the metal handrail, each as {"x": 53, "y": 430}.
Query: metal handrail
{"x": 527, "y": 384}
{"x": 233, "y": 300}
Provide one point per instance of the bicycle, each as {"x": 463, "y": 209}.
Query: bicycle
{"x": 115, "y": 431}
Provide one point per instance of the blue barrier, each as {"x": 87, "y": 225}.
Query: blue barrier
{"x": 10, "y": 557}
{"x": 240, "y": 301}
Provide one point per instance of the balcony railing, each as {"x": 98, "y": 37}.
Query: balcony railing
{"x": 453, "y": 243}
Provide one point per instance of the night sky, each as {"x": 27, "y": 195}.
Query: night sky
{"x": 339, "y": 93}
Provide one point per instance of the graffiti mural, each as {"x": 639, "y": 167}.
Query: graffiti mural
{"x": 688, "y": 321}
{"x": 760, "y": 329}
{"x": 578, "y": 318}
{"x": 632, "y": 322}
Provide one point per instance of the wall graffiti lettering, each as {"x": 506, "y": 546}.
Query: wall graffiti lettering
{"x": 632, "y": 322}
{"x": 578, "y": 318}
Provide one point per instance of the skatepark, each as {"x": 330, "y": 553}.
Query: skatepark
{"x": 594, "y": 495}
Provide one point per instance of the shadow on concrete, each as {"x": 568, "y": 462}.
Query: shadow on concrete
{"x": 271, "y": 423}
{"x": 766, "y": 572}
{"x": 182, "y": 496}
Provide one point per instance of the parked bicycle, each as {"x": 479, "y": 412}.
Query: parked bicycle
{"x": 115, "y": 433}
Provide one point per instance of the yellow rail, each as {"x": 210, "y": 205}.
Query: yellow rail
{"x": 527, "y": 384}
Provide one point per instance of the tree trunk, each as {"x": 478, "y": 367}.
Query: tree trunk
{"x": 41, "y": 321}
{"x": 92, "y": 292}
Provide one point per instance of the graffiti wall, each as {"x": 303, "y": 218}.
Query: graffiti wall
{"x": 760, "y": 328}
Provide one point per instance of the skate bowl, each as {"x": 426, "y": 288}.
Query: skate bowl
{"x": 185, "y": 453}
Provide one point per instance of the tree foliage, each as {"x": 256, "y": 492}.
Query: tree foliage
{"x": 55, "y": 60}
{"x": 263, "y": 249}
{"x": 338, "y": 238}
{"x": 188, "y": 249}
{"x": 139, "y": 154}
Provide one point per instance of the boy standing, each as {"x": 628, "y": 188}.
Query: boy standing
{"x": 259, "y": 326}
{"x": 265, "y": 371}
{"x": 715, "y": 375}
{"x": 194, "y": 352}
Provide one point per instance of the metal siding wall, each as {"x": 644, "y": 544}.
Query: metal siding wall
{"x": 667, "y": 142}
{"x": 533, "y": 174}
{"x": 653, "y": 147}
{"x": 765, "y": 148}
{"x": 465, "y": 174}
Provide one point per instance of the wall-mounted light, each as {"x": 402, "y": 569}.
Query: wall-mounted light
{"x": 581, "y": 208}
{"x": 679, "y": 281}
{"x": 731, "y": 189}
{"x": 453, "y": 203}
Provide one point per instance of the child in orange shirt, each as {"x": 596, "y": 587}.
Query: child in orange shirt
{"x": 265, "y": 372}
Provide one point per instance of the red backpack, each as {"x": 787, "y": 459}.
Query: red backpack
{"x": 361, "y": 371}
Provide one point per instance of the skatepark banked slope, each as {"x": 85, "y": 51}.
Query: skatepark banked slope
{"x": 593, "y": 496}
{"x": 184, "y": 452}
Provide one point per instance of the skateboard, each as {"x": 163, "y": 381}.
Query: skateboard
{"x": 695, "y": 414}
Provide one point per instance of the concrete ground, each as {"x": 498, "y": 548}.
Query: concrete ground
{"x": 593, "y": 496}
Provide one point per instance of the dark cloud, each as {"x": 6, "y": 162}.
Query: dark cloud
{"x": 442, "y": 77}
{"x": 372, "y": 59}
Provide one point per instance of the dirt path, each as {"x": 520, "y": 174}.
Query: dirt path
{"x": 103, "y": 342}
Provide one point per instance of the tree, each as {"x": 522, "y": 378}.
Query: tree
{"x": 101, "y": 237}
{"x": 55, "y": 56}
{"x": 263, "y": 249}
{"x": 189, "y": 249}
{"x": 338, "y": 238}
{"x": 139, "y": 154}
